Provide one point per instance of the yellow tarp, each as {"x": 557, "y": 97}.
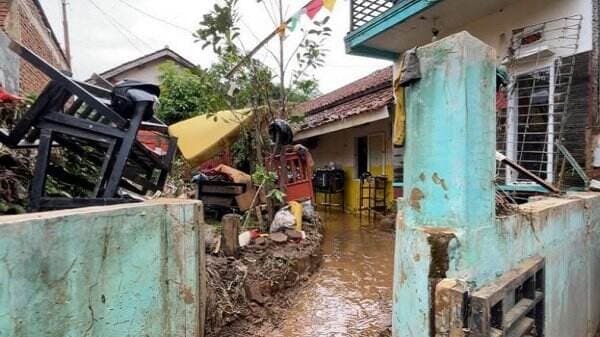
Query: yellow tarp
{"x": 201, "y": 138}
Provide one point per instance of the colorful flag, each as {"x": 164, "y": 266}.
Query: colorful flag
{"x": 313, "y": 8}
{"x": 295, "y": 20}
{"x": 329, "y": 4}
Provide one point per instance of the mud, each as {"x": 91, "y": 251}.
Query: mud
{"x": 250, "y": 293}
{"x": 352, "y": 293}
{"x": 280, "y": 291}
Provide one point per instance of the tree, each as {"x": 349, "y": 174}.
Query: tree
{"x": 220, "y": 30}
{"x": 187, "y": 93}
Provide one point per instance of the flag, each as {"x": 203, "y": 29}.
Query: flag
{"x": 329, "y": 4}
{"x": 313, "y": 8}
{"x": 295, "y": 20}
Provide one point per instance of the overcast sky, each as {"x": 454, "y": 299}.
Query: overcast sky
{"x": 103, "y": 40}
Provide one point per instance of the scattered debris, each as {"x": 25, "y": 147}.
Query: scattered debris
{"x": 278, "y": 237}
{"x": 246, "y": 291}
{"x": 284, "y": 219}
{"x": 503, "y": 159}
{"x": 96, "y": 128}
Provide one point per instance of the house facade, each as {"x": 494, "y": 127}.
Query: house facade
{"x": 145, "y": 68}
{"x": 351, "y": 129}
{"x": 547, "y": 112}
{"x": 25, "y": 21}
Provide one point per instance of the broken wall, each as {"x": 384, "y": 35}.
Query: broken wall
{"x": 135, "y": 270}
{"x": 450, "y": 229}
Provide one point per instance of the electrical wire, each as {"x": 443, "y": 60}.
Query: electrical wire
{"x": 120, "y": 28}
{"x": 155, "y": 17}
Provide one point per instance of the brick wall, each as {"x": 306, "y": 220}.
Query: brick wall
{"x": 31, "y": 28}
{"x": 32, "y": 80}
{"x": 3, "y": 12}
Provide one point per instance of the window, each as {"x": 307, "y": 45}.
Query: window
{"x": 529, "y": 132}
{"x": 370, "y": 155}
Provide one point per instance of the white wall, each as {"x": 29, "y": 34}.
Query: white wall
{"x": 496, "y": 29}
{"x": 147, "y": 73}
{"x": 339, "y": 147}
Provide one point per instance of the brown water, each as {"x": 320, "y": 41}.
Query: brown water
{"x": 352, "y": 293}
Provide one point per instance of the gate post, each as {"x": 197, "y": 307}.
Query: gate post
{"x": 449, "y": 171}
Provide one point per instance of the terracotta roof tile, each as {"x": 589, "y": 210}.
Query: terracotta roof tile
{"x": 365, "y": 95}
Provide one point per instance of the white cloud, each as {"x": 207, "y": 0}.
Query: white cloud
{"x": 99, "y": 42}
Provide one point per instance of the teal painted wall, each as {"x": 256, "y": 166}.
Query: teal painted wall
{"x": 449, "y": 193}
{"x": 133, "y": 270}
{"x": 448, "y": 165}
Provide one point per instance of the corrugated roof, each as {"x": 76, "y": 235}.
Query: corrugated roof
{"x": 368, "y": 94}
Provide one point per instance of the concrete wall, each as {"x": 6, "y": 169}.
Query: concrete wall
{"x": 340, "y": 148}
{"x": 450, "y": 229}
{"x": 127, "y": 270}
{"x": 9, "y": 66}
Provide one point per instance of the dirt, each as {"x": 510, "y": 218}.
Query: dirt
{"x": 249, "y": 295}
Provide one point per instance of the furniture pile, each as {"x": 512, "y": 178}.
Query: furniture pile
{"x": 96, "y": 129}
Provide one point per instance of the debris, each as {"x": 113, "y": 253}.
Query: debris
{"x": 96, "y": 128}
{"x": 595, "y": 185}
{"x": 503, "y": 159}
{"x": 254, "y": 292}
{"x": 245, "y": 238}
{"x": 308, "y": 211}
{"x": 244, "y": 200}
{"x": 284, "y": 219}
{"x": 260, "y": 241}
{"x": 294, "y": 235}
{"x": 278, "y": 237}
{"x": 211, "y": 238}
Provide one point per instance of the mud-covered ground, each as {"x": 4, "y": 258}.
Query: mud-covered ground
{"x": 249, "y": 295}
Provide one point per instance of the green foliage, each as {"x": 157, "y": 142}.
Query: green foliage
{"x": 268, "y": 180}
{"x": 186, "y": 93}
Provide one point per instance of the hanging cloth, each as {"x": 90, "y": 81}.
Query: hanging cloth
{"x": 400, "y": 118}
{"x": 294, "y": 21}
{"x": 313, "y": 8}
{"x": 329, "y": 4}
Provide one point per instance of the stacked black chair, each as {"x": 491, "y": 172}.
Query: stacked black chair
{"x": 97, "y": 124}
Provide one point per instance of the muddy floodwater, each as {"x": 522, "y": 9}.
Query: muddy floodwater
{"x": 351, "y": 295}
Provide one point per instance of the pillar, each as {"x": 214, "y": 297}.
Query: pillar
{"x": 449, "y": 170}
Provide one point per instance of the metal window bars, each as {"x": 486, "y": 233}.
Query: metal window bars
{"x": 363, "y": 11}
{"x": 542, "y": 62}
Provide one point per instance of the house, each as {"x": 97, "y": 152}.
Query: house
{"x": 25, "y": 21}
{"x": 145, "y": 68}
{"x": 351, "y": 127}
{"x": 550, "y": 122}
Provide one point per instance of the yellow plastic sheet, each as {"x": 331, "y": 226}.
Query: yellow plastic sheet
{"x": 201, "y": 138}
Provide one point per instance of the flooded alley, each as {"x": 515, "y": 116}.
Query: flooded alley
{"x": 351, "y": 294}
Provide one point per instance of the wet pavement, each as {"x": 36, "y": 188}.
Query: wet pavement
{"x": 351, "y": 295}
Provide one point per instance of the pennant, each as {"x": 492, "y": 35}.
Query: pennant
{"x": 313, "y": 8}
{"x": 329, "y": 4}
{"x": 294, "y": 21}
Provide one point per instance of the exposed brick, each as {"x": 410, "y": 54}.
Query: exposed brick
{"x": 35, "y": 33}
